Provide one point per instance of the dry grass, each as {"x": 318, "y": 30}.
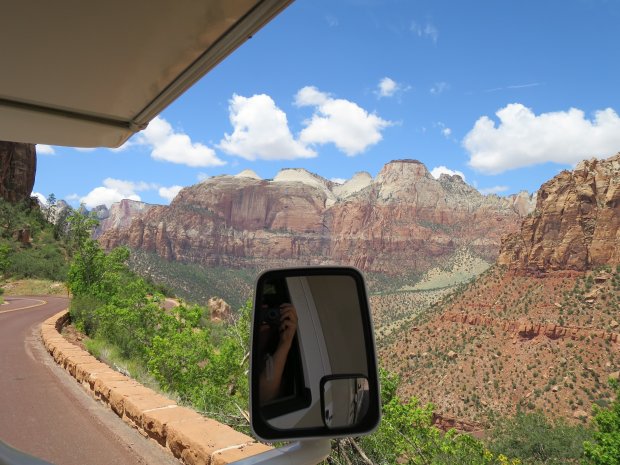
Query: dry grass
{"x": 34, "y": 287}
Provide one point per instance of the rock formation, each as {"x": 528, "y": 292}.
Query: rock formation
{"x": 407, "y": 219}
{"x": 401, "y": 221}
{"x": 18, "y": 165}
{"x": 576, "y": 223}
{"x": 219, "y": 310}
{"x": 119, "y": 215}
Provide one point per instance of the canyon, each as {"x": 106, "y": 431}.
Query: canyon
{"x": 403, "y": 221}
{"x": 536, "y": 331}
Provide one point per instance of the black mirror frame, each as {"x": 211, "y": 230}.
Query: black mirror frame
{"x": 260, "y": 427}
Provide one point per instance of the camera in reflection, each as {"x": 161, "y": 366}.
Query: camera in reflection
{"x": 271, "y": 316}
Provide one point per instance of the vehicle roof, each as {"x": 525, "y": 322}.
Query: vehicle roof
{"x": 88, "y": 74}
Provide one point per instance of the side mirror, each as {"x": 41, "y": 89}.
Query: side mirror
{"x": 313, "y": 362}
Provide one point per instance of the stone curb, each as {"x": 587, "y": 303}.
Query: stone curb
{"x": 189, "y": 436}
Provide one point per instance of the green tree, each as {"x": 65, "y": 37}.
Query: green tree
{"x": 42, "y": 256}
{"x": 51, "y": 208}
{"x": 81, "y": 228}
{"x": 86, "y": 269}
{"x": 12, "y": 217}
{"x": 604, "y": 449}
{"x": 5, "y": 262}
{"x": 407, "y": 435}
{"x": 537, "y": 440}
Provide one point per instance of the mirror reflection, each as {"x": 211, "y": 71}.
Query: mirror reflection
{"x": 309, "y": 339}
{"x": 345, "y": 401}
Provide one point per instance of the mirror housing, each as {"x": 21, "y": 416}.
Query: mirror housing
{"x": 313, "y": 368}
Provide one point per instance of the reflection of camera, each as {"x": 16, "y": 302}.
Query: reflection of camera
{"x": 271, "y": 316}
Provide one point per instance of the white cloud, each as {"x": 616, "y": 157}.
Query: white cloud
{"x": 260, "y": 131}
{"x": 439, "y": 88}
{"x": 169, "y": 193}
{"x": 311, "y": 96}
{"x": 427, "y": 30}
{"x": 493, "y": 190}
{"x": 338, "y": 180}
{"x": 439, "y": 170}
{"x": 105, "y": 196}
{"x": 84, "y": 149}
{"x": 40, "y": 197}
{"x": 341, "y": 122}
{"x": 114, "y": 190}
{"x": 524, "y": 139}
{"x": 202, "y": 176}
{"x": 176, "y": 147}
{"x": 43, "y": 149}
{"x": 445, "y": 131}
{"x": 387, "y": 87}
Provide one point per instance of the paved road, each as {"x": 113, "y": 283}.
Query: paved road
{"x": 44, "y": 412}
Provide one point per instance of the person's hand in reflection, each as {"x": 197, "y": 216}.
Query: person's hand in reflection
{"x": 275, "y": 343}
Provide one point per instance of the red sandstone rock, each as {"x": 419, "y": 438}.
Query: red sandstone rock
{"x": 18, "y": 165}
{"x": 576, "y": 223}
{"x": 404, "y": 220}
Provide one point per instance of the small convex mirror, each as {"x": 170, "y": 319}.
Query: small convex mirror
{"x": 313, "y": 363}
{"x": 344, "y": 400}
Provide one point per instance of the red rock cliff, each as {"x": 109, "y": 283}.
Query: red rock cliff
{"x": 18, "y": 164}
{"x": 399, "y": 222}
{"x": 576, "y": 223}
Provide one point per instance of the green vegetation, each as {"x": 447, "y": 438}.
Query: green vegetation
{"x": 407, "y": 435}
{"x": 536, "y": 440}
{"x": 604, "y": 449}
{"x": 193, "y": 282}
{"x": 202, "y": 363}
{"x": 205, "y": 364}
{"x": 29, "y": 244}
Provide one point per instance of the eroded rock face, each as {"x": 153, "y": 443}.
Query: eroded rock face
{"x": 401, "y": 221}
{"x": 18, "y": 166}
{"x": 406, "y": 220}
{"x": 119, "y": 215}
{"x": 219, "y": 309}
{"x": 576, "y": 223}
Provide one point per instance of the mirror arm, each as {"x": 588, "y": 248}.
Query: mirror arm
{"x": 309, "y": 452}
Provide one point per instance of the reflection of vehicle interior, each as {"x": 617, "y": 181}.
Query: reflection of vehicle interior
{"x": 345, "y": 400}
{"x": 327, "y": 308}
{"x": 293, "y": 394}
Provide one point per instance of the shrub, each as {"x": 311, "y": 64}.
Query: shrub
{"x": 604, "y": 448}
{"x": 537, "y": 440}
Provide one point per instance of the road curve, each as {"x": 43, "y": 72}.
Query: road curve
{"x": 44, "y": 412}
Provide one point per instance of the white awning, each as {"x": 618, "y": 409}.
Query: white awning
{"x": 90, "y": 73}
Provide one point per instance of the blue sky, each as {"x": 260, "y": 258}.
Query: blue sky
{"x": 507, "y": 93}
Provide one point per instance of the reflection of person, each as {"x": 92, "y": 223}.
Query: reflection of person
{"x": 274, "y": 345}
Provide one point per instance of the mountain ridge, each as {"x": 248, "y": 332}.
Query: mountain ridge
{"x": 538, "y": 330}
{"x": 300, "y": 218}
